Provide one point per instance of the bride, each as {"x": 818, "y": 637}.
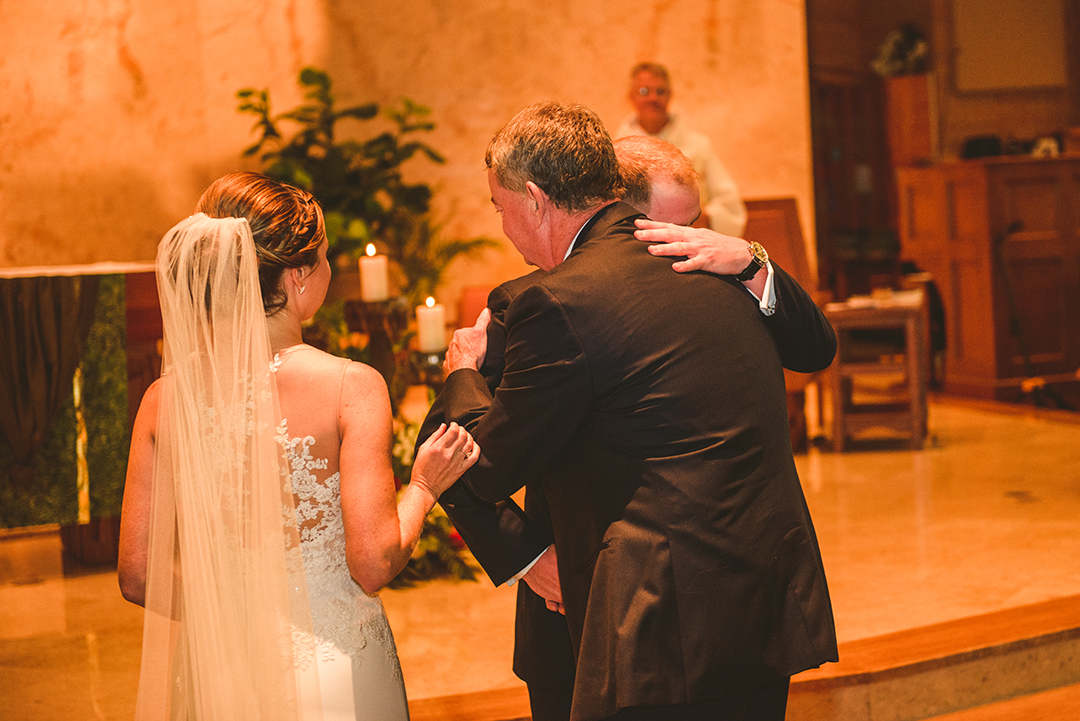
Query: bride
{"x": 260, "y": 512}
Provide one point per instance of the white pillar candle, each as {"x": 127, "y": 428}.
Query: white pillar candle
{"x": 373, "y": 277}
{"x": 431, "y": 327}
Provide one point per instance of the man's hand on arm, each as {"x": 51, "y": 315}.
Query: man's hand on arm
{"x": 468, "y": 347}
{"x": 543, "y": 579}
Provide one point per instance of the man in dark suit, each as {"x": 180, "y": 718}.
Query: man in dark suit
{"x": 514, "y": 544}
{"x": 547, "y": 659}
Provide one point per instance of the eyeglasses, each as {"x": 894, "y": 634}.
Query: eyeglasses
{"x": 658, "y": 92}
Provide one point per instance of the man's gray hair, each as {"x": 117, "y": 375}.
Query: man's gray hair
{"x": 564, "y": 149}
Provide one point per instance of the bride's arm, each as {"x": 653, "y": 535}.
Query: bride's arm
{"x": 380, "y": 530}
{"x": 135, "y": 516}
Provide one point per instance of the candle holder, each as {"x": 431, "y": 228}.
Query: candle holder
{"x": 386, "y": 323}
{"x": 429, "y": 367}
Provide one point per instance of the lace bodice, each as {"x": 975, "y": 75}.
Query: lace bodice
{"x": 342, "y": 614}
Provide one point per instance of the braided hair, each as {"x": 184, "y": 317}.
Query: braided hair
{"x": 286, "y": 224}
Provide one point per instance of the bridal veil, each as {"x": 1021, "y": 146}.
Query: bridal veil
{"x": 227, "y": 630}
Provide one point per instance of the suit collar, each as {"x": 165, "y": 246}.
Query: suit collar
{"x": 601, "y": 221}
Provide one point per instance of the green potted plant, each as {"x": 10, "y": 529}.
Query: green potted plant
{"x": 359, "y": 183}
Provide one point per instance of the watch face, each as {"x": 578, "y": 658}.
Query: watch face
{"x": 759, "y": 253}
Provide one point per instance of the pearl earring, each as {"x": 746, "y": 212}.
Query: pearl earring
{"x": 302, "y": 289}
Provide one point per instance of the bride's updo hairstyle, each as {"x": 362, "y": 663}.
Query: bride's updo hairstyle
{"x": 286, "y": 224}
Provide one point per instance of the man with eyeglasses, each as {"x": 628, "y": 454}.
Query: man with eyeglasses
{"x": 650, "y": 94}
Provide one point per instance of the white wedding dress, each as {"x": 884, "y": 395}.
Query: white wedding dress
{"x": 354, "y": 654}
{"x": 251, "y": 613}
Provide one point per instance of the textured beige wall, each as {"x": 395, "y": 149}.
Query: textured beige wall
{"x": 114, "y": 116}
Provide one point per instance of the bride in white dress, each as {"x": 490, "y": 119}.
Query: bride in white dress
{"x": 260, "y": 512}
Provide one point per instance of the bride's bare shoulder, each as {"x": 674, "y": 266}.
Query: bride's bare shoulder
{"x": 364, "y": 402}
{"x": 316, "y": 358}
{"x": 362, "y": 378}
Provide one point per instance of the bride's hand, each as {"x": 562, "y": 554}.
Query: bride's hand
{"x": 443, "y": 457}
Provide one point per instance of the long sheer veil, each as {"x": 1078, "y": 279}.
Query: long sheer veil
{"x": 226, "y": 604}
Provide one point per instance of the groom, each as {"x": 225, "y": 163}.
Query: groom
{"x": 654, "y": 406}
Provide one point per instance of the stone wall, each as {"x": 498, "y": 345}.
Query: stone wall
{"x": 114, "y": 116}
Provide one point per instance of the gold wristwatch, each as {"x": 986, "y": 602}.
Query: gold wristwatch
{"x": 758, "y": 259}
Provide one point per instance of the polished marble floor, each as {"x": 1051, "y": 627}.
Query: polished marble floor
{"x": 986, "y": 517}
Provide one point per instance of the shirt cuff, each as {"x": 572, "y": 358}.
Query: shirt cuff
{"x": 521, "y": 574}
{"x": 767, "y": 301}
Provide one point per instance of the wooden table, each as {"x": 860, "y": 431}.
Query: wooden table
{"x": 904, "y": 310}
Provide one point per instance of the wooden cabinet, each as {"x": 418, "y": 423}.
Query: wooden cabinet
{"x": 1001, "y": 238}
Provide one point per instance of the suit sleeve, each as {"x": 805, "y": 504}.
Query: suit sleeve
{"x": 544, "y": 397}
{"x": 500, "y": 536}
{"x": 803, "y": 335}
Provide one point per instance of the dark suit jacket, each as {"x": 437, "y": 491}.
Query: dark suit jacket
{"x": 651, "y": 407}
{"x": 505, "y": 539}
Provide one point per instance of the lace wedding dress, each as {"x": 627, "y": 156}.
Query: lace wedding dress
{"x": 355, "y": 656}
{"x": 251, "y": 613}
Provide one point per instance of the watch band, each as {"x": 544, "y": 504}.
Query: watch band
{"x": 758, "y": 259}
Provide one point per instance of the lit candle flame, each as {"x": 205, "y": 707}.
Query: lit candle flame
{"x": 371, "y": 249}
{"x": 430, "y": 302}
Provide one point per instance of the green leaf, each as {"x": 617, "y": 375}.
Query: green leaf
{"x": 360, "y": 112}
{"x": 359, "y": 229}
{"x": 313, "y": 77}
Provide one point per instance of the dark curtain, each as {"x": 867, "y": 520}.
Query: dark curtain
{"x": 44, "y": 323}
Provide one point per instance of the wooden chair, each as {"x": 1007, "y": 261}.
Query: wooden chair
{"x": 774, "y": 222}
